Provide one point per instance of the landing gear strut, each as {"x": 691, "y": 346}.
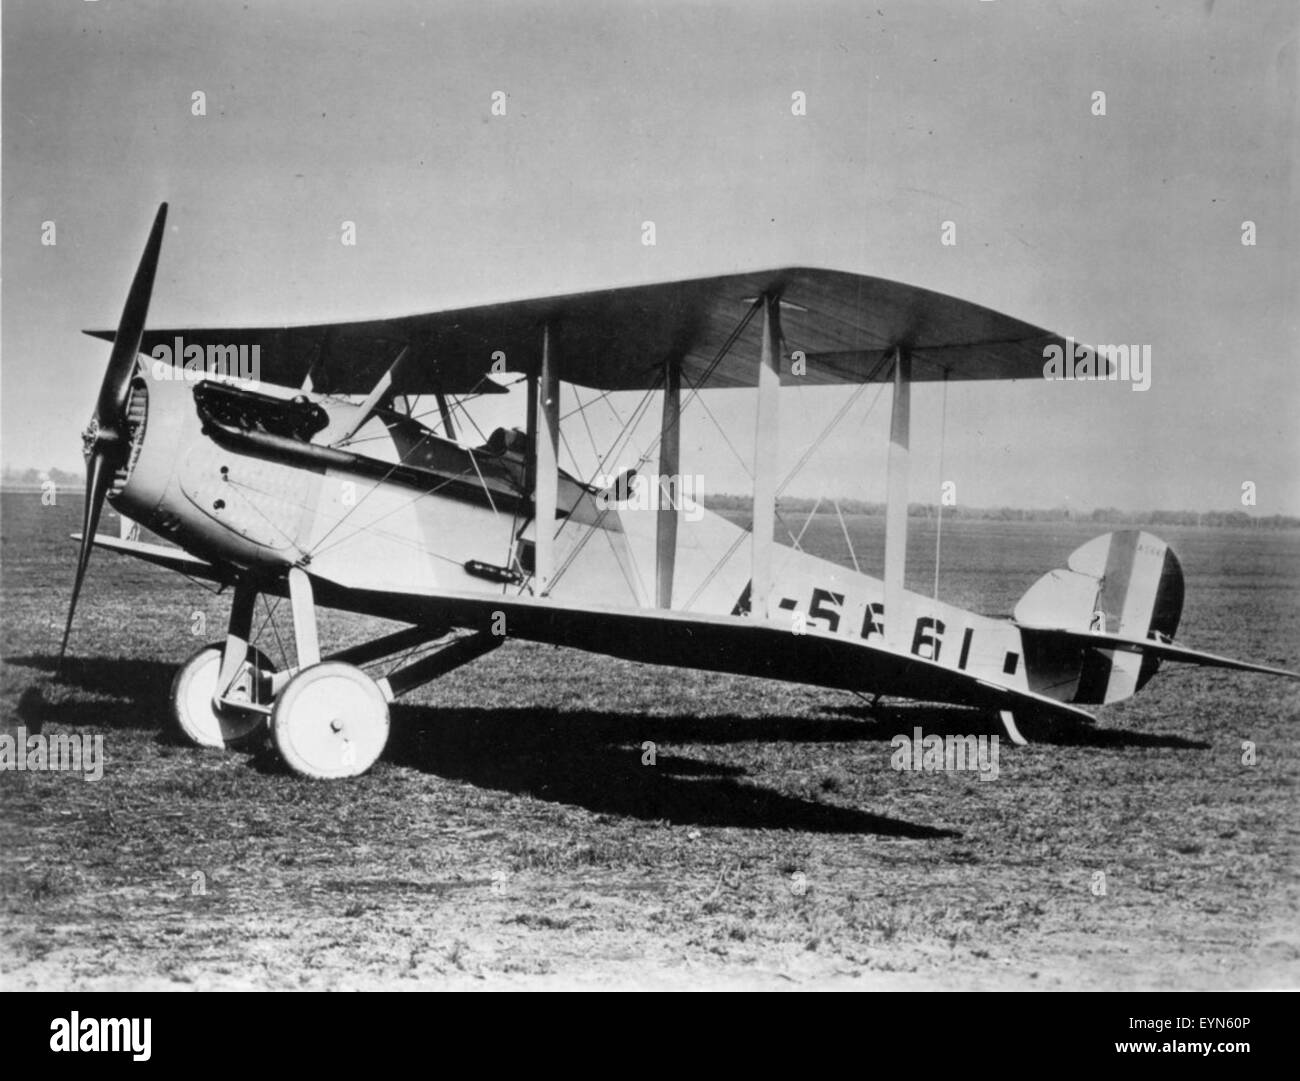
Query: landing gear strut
{"x": 327, "y": 718}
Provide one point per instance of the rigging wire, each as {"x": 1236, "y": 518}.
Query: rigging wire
{"x": 938, "y": 532}
{"x": 845, "y": 529}
{"x": 581, "y": 411}
{"x": 731, "y": 339}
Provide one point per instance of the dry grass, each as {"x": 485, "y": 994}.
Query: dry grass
{"x": 511, "y": 835}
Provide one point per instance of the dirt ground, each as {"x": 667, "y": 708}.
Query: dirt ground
{"x": 515, "y": 835}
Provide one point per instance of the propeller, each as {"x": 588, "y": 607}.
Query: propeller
{"x": 106, "y": 439}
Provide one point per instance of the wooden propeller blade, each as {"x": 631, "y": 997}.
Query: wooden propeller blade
{"x": 109, "y": 423}
{"x": 98, "y": 475}
{"x": 130, "y": 330}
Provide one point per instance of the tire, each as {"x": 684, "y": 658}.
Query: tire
{"x": 191, "y": 700}
{"x": 330, "y": 722}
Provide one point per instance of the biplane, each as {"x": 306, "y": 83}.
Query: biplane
{"x": 317, "y": 483}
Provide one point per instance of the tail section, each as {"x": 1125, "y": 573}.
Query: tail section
{"x": 1126, "y": 585}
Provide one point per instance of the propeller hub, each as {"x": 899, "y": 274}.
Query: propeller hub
{"x": 97, "y": 439}
{"x": 90, "y": 439}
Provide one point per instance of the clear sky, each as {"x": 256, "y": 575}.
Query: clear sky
{"x": 1125, "y": 227}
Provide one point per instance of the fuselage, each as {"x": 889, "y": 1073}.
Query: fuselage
{"x": 254, "y": 478}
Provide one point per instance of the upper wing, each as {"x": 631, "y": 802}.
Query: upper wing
{"x": 844, "y": 324}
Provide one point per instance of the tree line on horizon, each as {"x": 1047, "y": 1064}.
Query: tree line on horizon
{"x": 1107, "y": 515}
{"x": 33, "y": 479}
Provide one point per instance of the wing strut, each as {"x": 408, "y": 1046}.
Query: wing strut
{"x": 382, "y": 389}
{"x": 316, "y": 373}
{"x": 444, "y": 411}
{"x": 670, "y": 466}
{"x": 766, "y": 462}
{"x": 938, "y": 523}
{"x": 546, "y": 463}
{"x": 896, "y": 502}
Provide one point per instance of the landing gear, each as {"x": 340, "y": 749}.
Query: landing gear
{"x": 327, "y": 718}
{"x": 239, "y": 719}
{"x": 330, "y": 721}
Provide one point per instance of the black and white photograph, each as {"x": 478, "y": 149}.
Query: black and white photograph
{"x": 650, "y": 496}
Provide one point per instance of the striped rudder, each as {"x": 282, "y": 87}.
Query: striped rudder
{"x": 1127, "y": 583}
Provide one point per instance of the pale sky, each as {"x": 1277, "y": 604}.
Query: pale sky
{"x": 1125, "y": 227}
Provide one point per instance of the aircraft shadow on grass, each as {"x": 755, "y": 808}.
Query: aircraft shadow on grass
{"x": 587, "y": 758}
{"x": 140, "y": 689}
{"x": 584, "y": 758}
{"x": 97, "y": 692}
{"x": 594, "y": 759}
{"x": 891, "y": 720}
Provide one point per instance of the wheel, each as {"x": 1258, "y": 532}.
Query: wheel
{"x": 331, "y": 720}
{"x": 192, "y": 692}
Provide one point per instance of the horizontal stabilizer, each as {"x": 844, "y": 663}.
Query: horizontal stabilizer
{"x": 1164, "y": 651}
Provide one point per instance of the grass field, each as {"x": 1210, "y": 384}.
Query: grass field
{"x": 511, "y": 835}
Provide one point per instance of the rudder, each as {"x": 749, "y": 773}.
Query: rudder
{"x": 1125, "y": 583}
